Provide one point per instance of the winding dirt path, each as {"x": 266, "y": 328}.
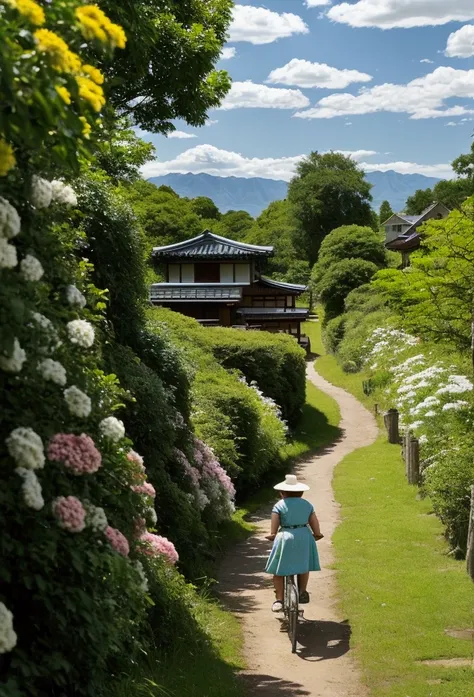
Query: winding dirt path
{"x": 322, "y": 666}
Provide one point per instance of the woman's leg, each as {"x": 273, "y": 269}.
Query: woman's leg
{"x": 279, "y": 583}
{"x": 303, "y": 582}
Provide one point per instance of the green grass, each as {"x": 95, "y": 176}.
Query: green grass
{"x": 398, "y": 587}
{"x": 209, "y": 668}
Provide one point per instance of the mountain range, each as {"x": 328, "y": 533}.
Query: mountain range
{"x": 255, "y": 194}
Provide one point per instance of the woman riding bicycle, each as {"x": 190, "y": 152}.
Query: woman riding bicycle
{"x": 294, "y": 529}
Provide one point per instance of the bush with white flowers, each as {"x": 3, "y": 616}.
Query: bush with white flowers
{"x": 81, "y": 333}
{"x": 31, "y": 268}
{"x": 79, "y": 404}
{"x": 112, "y": 429}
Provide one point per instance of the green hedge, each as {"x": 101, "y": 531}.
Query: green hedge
{"x": 227, "y": 413}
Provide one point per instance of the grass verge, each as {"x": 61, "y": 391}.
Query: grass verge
{"x": 398, "y": 586}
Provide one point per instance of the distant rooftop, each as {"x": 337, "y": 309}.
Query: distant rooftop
{"x": 211, "y": 246}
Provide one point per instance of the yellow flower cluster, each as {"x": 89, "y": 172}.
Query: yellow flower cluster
{"x": 61, "y": 57}
{"x": 63, "y": 93}
{"x": 86, "y": 127}
{"x": 93, "y": 73}
{"x": 94, "y": 24}
{"x": 29, "y": 9}
{"x": 91, "y": 92}
{"x": 7, "y": 158}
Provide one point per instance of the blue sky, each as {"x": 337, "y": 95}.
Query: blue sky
{"x": 337, "y": 76}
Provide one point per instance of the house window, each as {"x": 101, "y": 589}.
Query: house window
{"x": 397, "y": 228}
{"x": 207, "y": 273}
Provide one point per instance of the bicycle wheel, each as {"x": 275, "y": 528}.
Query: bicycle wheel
{"x": 292, "y": 612}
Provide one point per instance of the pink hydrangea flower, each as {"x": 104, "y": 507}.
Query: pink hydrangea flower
{"x": 211, "y": 468}
{"x": 139, "y": 527}
{"x": 70, "y": 513}
{"x": 136, "y": 459}
{"x": 118, "y": 541}
{"x": 155, "y": 545}
{"x": 77, "y": 453}
{"x": 146, "y": 488}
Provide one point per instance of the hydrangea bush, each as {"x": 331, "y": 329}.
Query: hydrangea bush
{"x": 435, "y": 400}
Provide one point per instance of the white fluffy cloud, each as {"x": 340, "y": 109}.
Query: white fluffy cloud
{"x": 250, "y": 95}
{"x": 426, "y": 60}
{"x": 317, "y": 3}
{"x": 225, "y": 163}
{"x": 303, "y": 73}
{"x": 182, "y": 135}
{"x": 422, "y": 98}
{"x": 461, "y": 43}
{"x": 228, "y": 52}
{"x": 388, "y": 14}
{"x": 258, "y": 25}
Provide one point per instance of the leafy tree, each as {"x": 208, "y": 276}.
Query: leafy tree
{"x": 120, "y": 153}
{"x": 435, "y": 295}
{"x": 385, "y": 212}
{"x": 350, "y": 242}
{"x": 328, "y": 191}
{"x": 421, "y": 199}
{"x": 166, "y": 70}
{"x": 276, "y": 226}
{"x": 233, "y": 224}
{"x": 205, "y": 207}
{"x": 338, "y": 281}
{"x": 464, "y": 165}
{"x": 453, "y": 192}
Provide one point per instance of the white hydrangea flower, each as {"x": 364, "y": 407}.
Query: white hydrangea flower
{"x": 79, "y": 404}
{"x": 53, "y": 371}
{"x": 201, "y": 499}
{"x": 96, "y": 518}
{"x": 143, "y": 577}
{"x": 47, "y": 327}
{"x": 63, "y": 193}
{"x": 26, "y": 448}
{"x": 454, "y": 406}
{"x": 415, "y": 425}
{"x": 151, "y": 515}
{"x": 41, "y": 192}
{"x": 112, "y": 429}
{"x": 13, "y": 363}
{"x": 81, "y": 333}
{"x": 430, "y": 413}
{"x": 31, "y": 488}
{"x": 75, "y": 297}
{"x": 423, "y": 440}
{"x": 31, "y": 268}
{"x": 8, "y": 255}
{"x": 10, "y": 222}
{"x": 8, "y": 636}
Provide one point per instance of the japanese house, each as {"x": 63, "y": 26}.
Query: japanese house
{"x": 219, "y": 282}
{"x": 401, "y": 231}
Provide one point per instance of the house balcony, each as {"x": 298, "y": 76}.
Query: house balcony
{"x": 195, "y": 292}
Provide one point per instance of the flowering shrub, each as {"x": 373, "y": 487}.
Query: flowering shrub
{"x": 435, "y": 401}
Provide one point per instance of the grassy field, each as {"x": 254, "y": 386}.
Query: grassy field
{"x": 398, "y": 587}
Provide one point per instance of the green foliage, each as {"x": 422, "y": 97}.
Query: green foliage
{"x": 421, "y": 199}
{"x": 349, "y": 242}
{"x": 448, "y": 483}
{"x": 334, "y": 333}
{"x": 233, "y": 224}
{"x": 166, "y": 71}
{"x": 385, "y": 212}
{"x": 277, "y": 227}
{"x": 435, "y": 295}
{"x": 243, "y": 429}
{"x": 205, "y": 208}
{"x": 338, "y": 281}
{"x": 328, "y": 191}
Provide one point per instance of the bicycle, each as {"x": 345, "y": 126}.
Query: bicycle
{"x": 291, "y": 609}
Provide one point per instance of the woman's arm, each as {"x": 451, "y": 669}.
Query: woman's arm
{"x": 314, "y": 525}
{"x": 274, "y": 526}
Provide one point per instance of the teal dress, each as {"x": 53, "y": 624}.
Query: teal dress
{"x": 294, "y": 549}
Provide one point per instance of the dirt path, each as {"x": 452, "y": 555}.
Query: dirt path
{"x": 323, "y": 666}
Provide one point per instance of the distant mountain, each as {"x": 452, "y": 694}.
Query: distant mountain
{"x": 255, "y": 194}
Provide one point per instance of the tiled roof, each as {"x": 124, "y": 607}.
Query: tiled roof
{"x": 211, "y": 246}
{"x": 404, "y": 242}
{"x": 194, "y": 292}
{"x": 290, "y": 287}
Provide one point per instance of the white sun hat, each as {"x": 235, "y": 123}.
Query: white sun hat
{"x": 291, "y": 484}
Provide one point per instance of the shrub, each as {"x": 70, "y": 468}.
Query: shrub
{"x": 338, "y": 281}
{"x": 334, "y": 333}
{"x": 349, "y": 242}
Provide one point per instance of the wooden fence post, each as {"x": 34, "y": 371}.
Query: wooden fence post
{"x": 470, "y": 539}
{"x": 390, "y": 420}
{"x": 406, "y": 449}
{"x": 413, "y": 469}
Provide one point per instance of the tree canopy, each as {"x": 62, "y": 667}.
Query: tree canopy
{"x": 166, "y": 70}
{"x": 328, "y": 191}
{"x": 385, "y": 212}
{"x": 339, "y": 280}
{"x": 350, "y": 242}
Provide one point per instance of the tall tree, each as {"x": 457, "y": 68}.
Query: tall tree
{"x": 421, "y": 199}
{"x": 385, "y": 212}
{"x": 166, "y": 70}
{"x": 328, "y": 191}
